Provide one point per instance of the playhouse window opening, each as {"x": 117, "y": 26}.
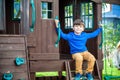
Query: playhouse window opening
{"x": 87, "y": 14}
{"x": 2, "y": 15}
{"x": 16, "y": 15}
{"x": 46, "y": 10}
{"x": 68, "y": 11}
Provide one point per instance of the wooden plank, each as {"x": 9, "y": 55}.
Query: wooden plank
{"x": 38, "y": 27}
{"x": 100, "y": 64}
{"x": 56, "y": 8}
{"x": 8, "y": 62}
{"x": 13, "y": 39}
{"x": 67, "y": 70}
{"x": 6, "y": 47}
{"x": 31, "y": 40}
{"x": 50, "y": 37}
{"x": 65, "y": 56}
{"x": 47, "y": 0}
{"x": 39, "y": 66}
{"x": 15, "y": 35}
{"x": 13, "y": 68}
{"x": 44, "y": 56}
{"x": 17, "y": 76}
{"x": 12, "y": 54}
{"x": 98, "y": 71}
{"x": 44, "y": 36}
{"x": 25, "y": 17}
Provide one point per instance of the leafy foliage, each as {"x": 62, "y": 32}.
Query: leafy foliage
{"x": 111, "y": 37}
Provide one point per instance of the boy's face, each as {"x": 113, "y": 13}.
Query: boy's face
{"x": 78, "y": 29}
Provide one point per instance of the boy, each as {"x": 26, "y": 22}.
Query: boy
{"x": 77, "y": 43}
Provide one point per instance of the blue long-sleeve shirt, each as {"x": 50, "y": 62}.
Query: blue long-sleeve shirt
{"x": 77, "y": 43}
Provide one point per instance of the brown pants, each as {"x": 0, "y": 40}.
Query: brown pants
{"x": 79, "y": 57}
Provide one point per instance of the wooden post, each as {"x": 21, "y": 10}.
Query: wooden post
{"x": 32, "y": 76}
{"x": 60, "y": 75}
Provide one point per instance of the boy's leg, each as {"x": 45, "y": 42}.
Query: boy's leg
{"x": 78, "y": 62}
{"x": 91, "y": 61}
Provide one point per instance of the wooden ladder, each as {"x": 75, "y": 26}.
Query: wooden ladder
{"x": 69, "y": 72}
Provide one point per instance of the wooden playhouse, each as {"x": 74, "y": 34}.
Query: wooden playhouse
{"x": 27, "y": 30}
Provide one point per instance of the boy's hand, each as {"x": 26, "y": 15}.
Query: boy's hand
{"x": 100, "y": 25}
{"x": 56, "y": 23}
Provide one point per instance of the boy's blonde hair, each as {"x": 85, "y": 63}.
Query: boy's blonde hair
{"x": 78, "y": 22}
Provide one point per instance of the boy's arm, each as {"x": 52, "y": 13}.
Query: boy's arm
{"x": 63, "y": 35}
{"x": 95, "y": 33}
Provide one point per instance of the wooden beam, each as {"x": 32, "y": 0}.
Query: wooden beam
{"x": 25, "y": 17}
{"x": 44, "y": 56}
{"x": 47, "y": 65}
{"x": 107, "y": 1}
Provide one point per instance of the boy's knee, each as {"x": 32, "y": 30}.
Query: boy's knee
{"x": 79, "y": 59}
{"x": 92, "y": 59}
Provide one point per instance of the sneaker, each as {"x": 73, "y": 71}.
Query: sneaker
{"x": 89, "y": 76}
{"x": 78, "y": 76}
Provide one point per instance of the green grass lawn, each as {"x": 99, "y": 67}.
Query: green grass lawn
{"x": 41, "y": 74}
{"x": 110, "y": 71}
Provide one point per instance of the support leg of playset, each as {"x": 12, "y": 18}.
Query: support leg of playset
{"x": 32, "y": 76}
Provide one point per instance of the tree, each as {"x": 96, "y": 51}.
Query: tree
{"x": 111, "y": 37}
